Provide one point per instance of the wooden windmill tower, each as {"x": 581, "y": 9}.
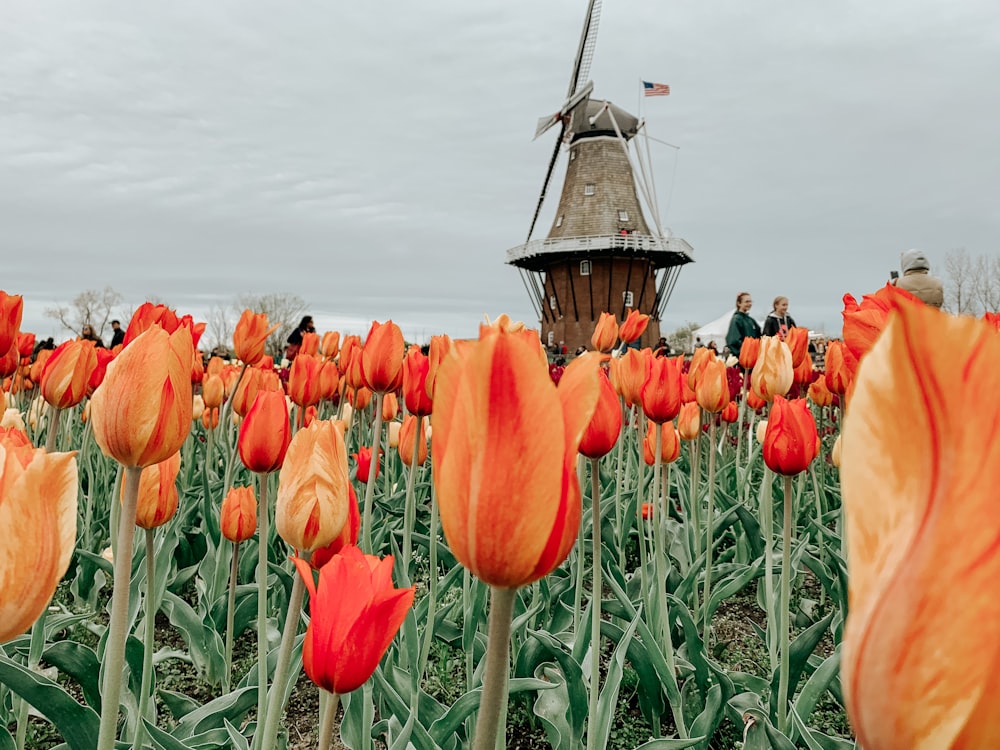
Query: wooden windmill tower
{"x": 600, "y": 254}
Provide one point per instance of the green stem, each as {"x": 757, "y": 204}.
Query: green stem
{"x": 657, "y": 524}
{"x": 234, "y": 571}
{"x": 595, "y": 604}
{"x": 786, "y": 585}
{"x": 619, "y": 456}
{"x": 409, "y": 508}
{"x": 709, "y": 536}
{"x": 50, "y": 439}
{"x": 467, "y": 610}
{"x": 327, "y": 718}
{"x": 366, "y": 522}
{"x": 114, "y": 651}
{"x": 578, "y": 555}
{"x": 147, "y": 640}
{"x": 741, "y": 410}
{"x": 276, "y": 704}
{"x": 432, "y": 584}
{"x": 35, "y": 647}
{"x": 641, "y": 528}
{"x": 262, "y": 537}
{"x": 495, "y": 679}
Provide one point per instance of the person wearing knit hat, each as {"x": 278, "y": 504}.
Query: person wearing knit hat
{"x": 917, "y": 279}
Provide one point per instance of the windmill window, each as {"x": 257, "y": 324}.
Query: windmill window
{"x": 627, "y": 298}
{"x": 552, "y": 301}
{"x": 623, "y": 216}
{"x": 585, "y": 268}
{"x": 588, "y": 189}
{"x": 559, "y": 221}
{"x": 572, "y": 155}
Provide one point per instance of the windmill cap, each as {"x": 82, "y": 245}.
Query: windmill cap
{"x": 913, "y": 260}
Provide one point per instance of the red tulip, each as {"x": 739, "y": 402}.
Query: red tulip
{"x": 382, "y": 357}
{"x": 238, "y": 515}
{"x": 265, "y": 433}
{"x": 661, "y": 391}
{"x": 416, "y": 368}
{"x": 363, "y": 458}
{"x": 790, "y": 440}
{"x": 11, "y": 310}
{"x": 605, "y": 426}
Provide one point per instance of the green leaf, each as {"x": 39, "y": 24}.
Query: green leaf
{"x": 817, "y": 685}
{"x": 161, "y": 740}
{"x": 6, "y": 741}
{"x": 229, "y": 707}
{"x": 461, "y": 709}
{"x": 77, "y": 724}
{"x": 80, "y": 663}
{"x": 608, "y": 698}
{"x": 203, "y": 641}
{"x": 759, "y": 734}
{"x": 798, "y": 656}
{"x": 238, "y": 740}
{"x": 552, "y": 707}
{"x": 178, "y": 704}
{"x": 816, "y": 740}
{"x": 670, "y": 744}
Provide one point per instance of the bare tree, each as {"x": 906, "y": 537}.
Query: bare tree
{"x": 90, "y": 307}
{"x": 283, "y": 308}
{"x": 986, "y": 283}
{"x": 960, "y": 278}
{"x": 221, "y": 324}
{"x": 682, "y": 340}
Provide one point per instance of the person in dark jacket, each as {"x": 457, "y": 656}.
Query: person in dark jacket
{"x": 778, "y": 321}
{"x": 295, "y": 337}
{"x": 741, "y": 325}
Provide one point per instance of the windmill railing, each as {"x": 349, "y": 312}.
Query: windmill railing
{"x": 671, "y": 250}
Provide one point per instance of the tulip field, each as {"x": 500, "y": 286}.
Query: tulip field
{"x": 383, "y": 546}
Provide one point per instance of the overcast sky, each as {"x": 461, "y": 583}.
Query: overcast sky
{"x": 376, "y": 158}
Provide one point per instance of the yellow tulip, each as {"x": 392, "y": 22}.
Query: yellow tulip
{"x": 773, "y": 374}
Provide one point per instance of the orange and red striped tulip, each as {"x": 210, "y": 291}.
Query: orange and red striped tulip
{"x": 437, "y": 351}
{"x": 363, "y": 459}
{"x": 197, "y": 329}
{"x": 348, "y": 536}
{"x": 355, "y": 612}
{"x": 772, "y": 375}
{"x": 412, "y": 429}
{"x": 352, "y": 375}
{"x": 864, "y": 322}
{"x": 382, "y": 357}
{"x": 66, "y": 374}
{"x": 38, "y": 511}
{"x": 798, "y": 344}
{"x": 11, "y": 311}
{"x": 304, "y": 387}
{"x": 265, "y": 433}
{"x": 993, "y": 318}
{"x": 416, "y": 369}
{"x": 661, "y": 391}
{"x": 238, "y": 515}
{"x": 157, "y": 500}
{"x": 390, "y": 407}
{"x": 790, "y": 440}
{"x": 920, "y": 466}
{"x": 712, "y": 390}
{"x": 689, "y": 421}
{"x": 197, "y": 368}
{"x": 633, "y": 326}
{"x": 141, "y": 414}
{"x": 605, "y": 334}
{"x": 250, "y": 336}
{"x": 148, "y": 315}
{"x": 330, "y": 344}
{"x": 749, "y": 351}
{"x": 504, "y": 445}
{"x": 347, "y": 347}
{"x": 838, "y": 373}
{"x": 606, "y": 425}
{"x": 670, "y": 443}
{"x": 731, "y": 413}
{"x": 313, "y": 488}
{"x": 819, "y": 394}
{"x": 628, "y": 375}
{"x": 213, "y": 390}
{"x": 702, "y": 356}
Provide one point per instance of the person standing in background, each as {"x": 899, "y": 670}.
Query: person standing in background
{"x": 917, "y": 279}
{"x": 118, "y": 333}
{"x": 741, "y": 325}
{"x": 778, "y": 321}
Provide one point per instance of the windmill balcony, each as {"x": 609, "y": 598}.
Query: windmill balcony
{"x": 662, "y": 251}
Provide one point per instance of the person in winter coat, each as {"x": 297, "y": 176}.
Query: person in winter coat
{"x": 917, "y": 279}
{"x": 741, "y": 325}
{"x": 778, "y": 321}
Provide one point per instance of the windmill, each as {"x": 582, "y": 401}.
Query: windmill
{"x": 600, "y": 253}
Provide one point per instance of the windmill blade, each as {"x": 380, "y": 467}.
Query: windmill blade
{"x": 548, "y": 177}
{"x": 585, "y": 50}
{"x": 544, "y": 123}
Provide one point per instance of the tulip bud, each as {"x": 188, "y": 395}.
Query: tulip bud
{"x": 712, "y": 391}
{"x": 250, "y": 336}
{"x": 798, "y": 344}
{"x": 265, "y": 433}
{"x": 330, "y": 344}
{"x": 212, "y": 391}
{"x": 633, "y": 326}
{"x": 605, "y": 333}
{"x": 670, "y": 443}
{"x": 605, "y": 426}
{"x": 67, "y": 372}
{"x": 390, "y": 407}
{"x": 412, "y": 431}
{"x": 730, "y": 413}
{"x": 761, "y": 431}
{"x": 157, "y": 499}
{"x": 790, "y": 440}
{"x": 392, "y": 433}
{"x": 238, "y": 516}
{"x": 382, "y": 357}
{"x": 689, "y": 421}
{"x": 772, "y": 375}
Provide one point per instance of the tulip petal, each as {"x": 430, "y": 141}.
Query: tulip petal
{"x": 920, "y": 468}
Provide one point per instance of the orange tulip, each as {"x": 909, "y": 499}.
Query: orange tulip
{"x": 141, "y": 414}
{"x": 355, "y": 612}
{"x": 265, "y": 433}
{"x": 9, "y": 362}
{"x": 993, "y": 318}
{"x": 670, "y": 444}
{"x": 38, "y": 492}
{"x": 197, "y": 367}
{"x": 755, "y": 402}
{"x": 628, "y": 375}
{"x": 250, "y": 336}
{"x": 67, "y": 372}
{"x": 11, "y": 310}
{"x": 36, "y": 367}
{"x": 212, "y": 391}
{"x": 731, "y": 413}
{"x": 215, "y": 365}
{"x": 382, "y": 357}
{"x": 157, "y": 501}
{"x": 819, "y": 394}
{"x": 352, "y": 375}
{"x": 363, "y": 459}
{"x": 689, "y": 421}
{"x": 803, "y": 374}
{"x": 304, "y": 380}
{"x": 864, "y": 322}
{"x": 348, "y": 535}
{"x": 412, "y": 429}
{"x": 416, "y": 369}
{"x": 772, "y": 375}
{"x": 605, "y": 333}
{"x": 361, "y": 398}
{"x": 254, "y": 381}
{"x": 712, "y": 391}
{"x": 661, "y": 391}
{"x": 749, "y": 351}
{"x": 390, "y": 407}
{"x": 312, "y": 501}
{"x": 25, "y": 344}
{"x": 504, "y": 443}
{"x": 790, "y": 440}
{"x": 210, "y": 418}
{"x": 347, "y": 347}
{"x": 647, "y": 508}
{"x": 839, "y": 374}
{"x": 238, "y": 516}
{"x": 329, "y": 380}
{"x": 438, "y": 350}
{"x": 702, "y": 356}
{"x": 197, "y": 329}
{"x": 330, "y": 344}
{"x": 798, "y": 344}
{"x": 148, "y": 315}
{"x": 605, "y": 426}
{"x": 633, "y": 326}
{"x": 310, "y": 344}
{"x": 920, "y": 466}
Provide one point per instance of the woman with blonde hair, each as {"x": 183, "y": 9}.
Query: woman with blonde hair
{"x": 778, "y": 320}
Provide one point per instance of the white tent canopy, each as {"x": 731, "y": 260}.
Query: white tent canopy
{"x": 716, "y": 331}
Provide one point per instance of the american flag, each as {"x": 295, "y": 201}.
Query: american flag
{"x": 655, "y": 89}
